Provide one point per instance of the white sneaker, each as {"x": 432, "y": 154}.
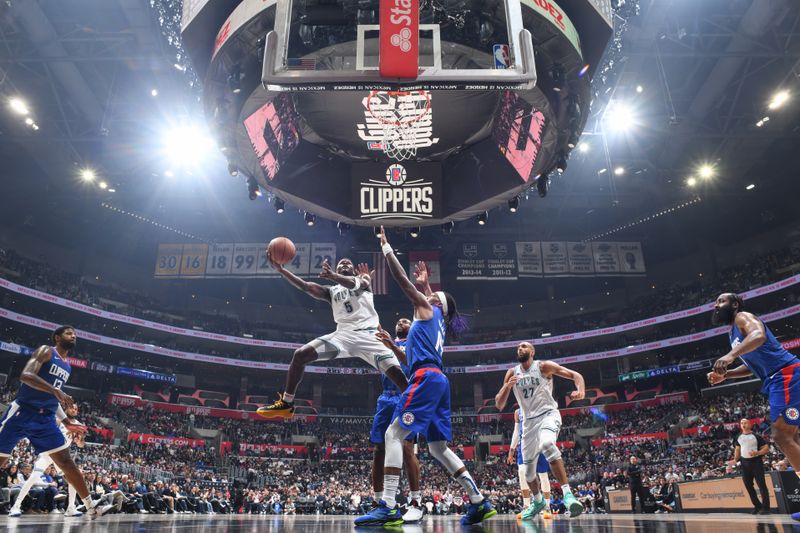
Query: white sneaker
{"x": 73, "y": 512}
{"x": 94, "y": 510}
{"x": 14, "y": 513}
{"x": 144, "y": 511}
{"x": 414, "y": 514}
{"x": 55, "y": 511}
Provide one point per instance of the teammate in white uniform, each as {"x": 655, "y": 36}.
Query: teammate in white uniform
{"x": 43, "y": 462}
{"x": 532, "y": 383}
{"x": 542, "y": 468}
{"x": 356, "y": 325}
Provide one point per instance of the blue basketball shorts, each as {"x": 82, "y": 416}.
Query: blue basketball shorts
{"x": 40, "y": 428}
{"x": 783, "y": 391}
{"x": 424, "y": 407}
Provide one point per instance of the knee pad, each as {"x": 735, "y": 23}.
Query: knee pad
{"x": 550, "y": 450}
{"x": 445, "y": 455}
{"x": 544, "y": 482}
{"x": 523, "y": 471}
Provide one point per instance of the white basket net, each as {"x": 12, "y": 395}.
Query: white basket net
{"x": 401, "y": 114}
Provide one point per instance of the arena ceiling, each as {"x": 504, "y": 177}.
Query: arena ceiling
{"x": 707, "y": 73}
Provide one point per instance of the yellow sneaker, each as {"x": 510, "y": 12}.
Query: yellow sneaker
{"x": 547, "y": 514}
{"x": 519, "y": 516}
{"x": 279, "y": 409}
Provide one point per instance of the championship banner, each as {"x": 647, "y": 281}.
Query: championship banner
{"x": 606, "y": 257}
{"x": 555, "y": 259}
{"x": 487, "y": 261}
{"x": 529, "y": 259}
{"x": 431, "y": 260}
{"x": 580, "y": 258}
{"x": 144, "y": 438}
{"x": 631, "y": 257}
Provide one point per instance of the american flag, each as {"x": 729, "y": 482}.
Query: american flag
{"x": 295, "y": 63}
{"x": 380, "y": 280}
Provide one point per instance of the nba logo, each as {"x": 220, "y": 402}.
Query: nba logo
{"x": 502, "y": 56}
{"x": 396, "y": 175}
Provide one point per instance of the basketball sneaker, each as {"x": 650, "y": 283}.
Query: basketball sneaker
{"x": 413, "y": 514}
{"x": 533, "y": 510}
{"x": 478, "y": 512}
{"x": 381, "y": 516}
{"x": 94, "y": 510}
{"x": 281, "y": 408}
{"x": 572, "y": 504}
{"x": 72, "y": 512}
{"x": 547, "y": 514}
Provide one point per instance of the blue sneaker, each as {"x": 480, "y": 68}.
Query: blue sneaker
{"x": 381, "y": 516}
{"x": 478, "y": 512}
{"x": 795, "y": 516}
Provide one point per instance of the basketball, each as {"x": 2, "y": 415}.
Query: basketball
{"x": 281, "y": 250}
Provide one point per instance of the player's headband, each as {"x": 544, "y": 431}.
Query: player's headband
{"x": 443, "y": 301}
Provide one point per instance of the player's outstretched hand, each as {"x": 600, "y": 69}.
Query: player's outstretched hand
{"x": 75, "y": 428}
{"x": 714, "y": 378}
{"x": 421, "y": 273}
{"x": 576, "y": 395}
{"x": 326, "y": 273}
{"x": 363, "y": 268}
{"x": 275, "y": 265}
{"x": 382, "y": 236}
{"x": 383, "y": 336}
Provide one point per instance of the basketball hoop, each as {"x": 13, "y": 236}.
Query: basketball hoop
{"x": 401, "y": 114}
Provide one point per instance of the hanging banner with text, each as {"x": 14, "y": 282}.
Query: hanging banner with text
{"x": 237, "y": 260}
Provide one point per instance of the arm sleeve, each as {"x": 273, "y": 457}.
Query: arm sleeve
{"x": 515, "y": 436}
{"x": 60, "y": 414}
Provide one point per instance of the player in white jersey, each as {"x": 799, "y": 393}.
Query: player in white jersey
{"x": 356, "y": 325}
{"x": 43, "y": 462}
{"x": 532, "y": 383}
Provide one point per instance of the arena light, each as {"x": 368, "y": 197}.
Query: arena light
{"x": 513, "y": 204}
{"x": 18, "y": 106}
{"x": 619, "y": 171}
{"x": 280, "y": 205}
{"x": 186, "y": 145}
{"x": 620, "y": 117}
{"x": 706, "y": 171}
{"x": 542, "y": 185}
{"x": 87, "y": 174}
{"x": 483, "y": 218}
{"x": 583, "y": 147}
{"x": 154, "y": 92}
{"x": 29, "y": 121}
{"x": 778, "y": 99}
{"x": 377, "y": 231}
{"x": 233, "y": 170}
{"x": 103, "y": 185}
{"x": 447, "y": 227}
{"x": 639, "y": 89}
{"x": 751, "y": 187}
{"x": 310, "y": 218}
{"x": 691, "y": 181}
{"x": 253, "y": 191}
{"x": 561, "y": 165}
{"x": 414, "y": 232}
{"x": 584, "y": 69}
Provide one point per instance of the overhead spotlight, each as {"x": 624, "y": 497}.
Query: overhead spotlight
{"x": 619, "y": 171}
{"x": 414, "y": 232}
{"x": 18, "y": 106}
{"x": 619, "y": 117}
{"x": 87, "y": 174}
{"x": 103, "y": 185}
{"x": 233, "y": 170}
{"x": 691, "y": 181}
{"x": 186, "y": 145}
{"x": 252, "y": 188}
{"x": 751, "y": 187}
{"x": 557, "y": 74}
{"x": 154, "y": 92}
{"x": 639, "y": 89}
{"x": 35, "y": 127}
{"x": 483, "y": 218}
{"x": 343, "y": 227}
{"x": 235, "y": 79}
{"x": 280, "y": 205}
{"x": 542, "y": 185}
{"x": 29, "y": 121}
{"x": 706, "y": 171}
{"x": 310, "y": 218}
{"x": 573, "y": 140}
{"x": 447, "y": 227}
{"x": 778, "y": 99}
{"x": 561, "y": 165}
{"x": 583, "y": 147}
{"x": 513, "y": 204}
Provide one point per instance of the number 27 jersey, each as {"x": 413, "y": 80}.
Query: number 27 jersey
{"x": 353, "y": 309}
{"x": 533, "y": 391}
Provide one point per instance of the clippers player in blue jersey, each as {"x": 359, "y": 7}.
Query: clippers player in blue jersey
{"x": 424, "y": 407}
{"x": 763, "y": 356}
{"x": 384, "y": 414}
{"x": 32, "y": 414}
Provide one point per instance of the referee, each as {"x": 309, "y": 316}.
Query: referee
{"x": 750, "y": 448}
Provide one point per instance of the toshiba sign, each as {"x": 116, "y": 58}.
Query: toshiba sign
{"x": 399, "y": 38}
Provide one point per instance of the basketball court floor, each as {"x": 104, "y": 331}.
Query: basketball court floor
{"x": 675, "y": 523}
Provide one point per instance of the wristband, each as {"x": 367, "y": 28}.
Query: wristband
{"x": 387, "y": 249}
